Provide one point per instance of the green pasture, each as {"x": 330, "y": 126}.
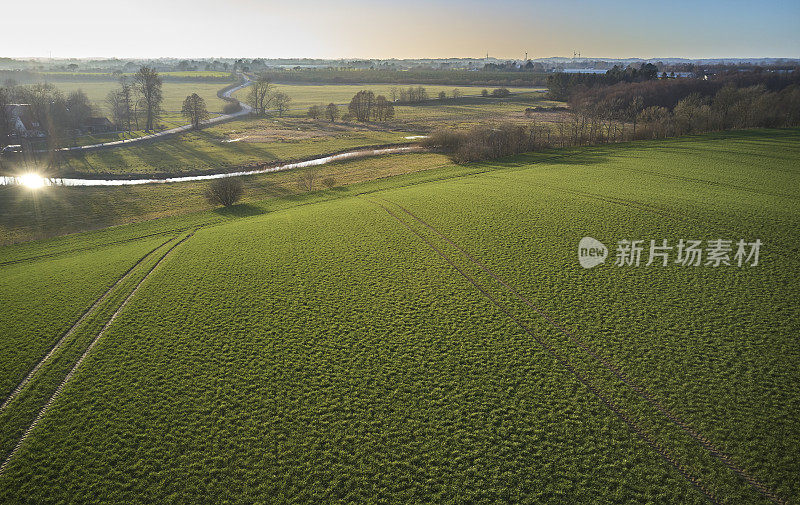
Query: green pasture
{"x": 428, "y": 337}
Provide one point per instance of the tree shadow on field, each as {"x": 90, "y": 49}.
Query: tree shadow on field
{"x": 240, "y": 210}
{"x": 528, "y": 160}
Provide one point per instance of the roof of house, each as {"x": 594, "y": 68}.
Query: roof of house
{"x": 97, "y": 121}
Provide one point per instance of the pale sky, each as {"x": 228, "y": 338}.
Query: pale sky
{"x": 400, "y": 28}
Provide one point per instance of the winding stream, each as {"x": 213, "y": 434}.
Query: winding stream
{"x": 59, "y": 181}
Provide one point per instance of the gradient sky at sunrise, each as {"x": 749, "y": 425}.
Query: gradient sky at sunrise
{"x": 401, "y": 29}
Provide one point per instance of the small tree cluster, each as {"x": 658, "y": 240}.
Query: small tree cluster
{"x": 412, "y": 94}
{"x": 365, "y": 106}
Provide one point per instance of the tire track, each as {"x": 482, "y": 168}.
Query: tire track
{"x": 75, "y": 326}
{"x": 622, "y": 376}
{"x": 660, "y": 450}
{"x": 75, "y": 368}
{"x": 85, "y": 248}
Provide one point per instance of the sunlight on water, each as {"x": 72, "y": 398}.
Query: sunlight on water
{"x": 32, "y": 181}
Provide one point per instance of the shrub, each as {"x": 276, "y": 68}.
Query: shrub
{"x": 231, "y": 108}
{"x": 329, "y": 182}
{"x": 225, "y": 191}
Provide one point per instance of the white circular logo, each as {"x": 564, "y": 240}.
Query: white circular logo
{"x": 591, "y": 252}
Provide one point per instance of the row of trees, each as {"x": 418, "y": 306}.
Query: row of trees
{"x": 55, "y": 114}
{"x": 330, "y": 112}
{"x": 618, "y": 120}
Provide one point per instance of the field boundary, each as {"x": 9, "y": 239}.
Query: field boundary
{"x": 94, "y": 341}
{"x": 622, "y": 376}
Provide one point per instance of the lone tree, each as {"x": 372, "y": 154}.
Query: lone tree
{"x": 260, "y": 95}
{"x": 148, "y": 87}
{"x": 79, "y": 109}
{"x": 314, "y": 112}
{"x": 121, "y": 104}
{"x": 225, "y": 191}
{"x": 332, "y": 112}
{"x": 383, "y": 109}
{"x": 194, "y": 109}
{"x": 281, "y": 101}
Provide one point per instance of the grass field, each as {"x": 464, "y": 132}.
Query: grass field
{"x": 174, "y": 94}
{"x": 26, "y": 215}
{"x": 306, "y": 95}
{"x": 428, "y": 337}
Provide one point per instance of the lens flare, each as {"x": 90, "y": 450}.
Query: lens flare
{"x": 32, "y": 181}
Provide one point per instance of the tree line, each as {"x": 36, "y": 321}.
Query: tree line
{"x": 631, "y": 111}
{"x": 561, "y": 85}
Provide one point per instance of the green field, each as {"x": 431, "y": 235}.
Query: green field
{"x": 305, "y": 95}
{"x": 428, "y": 337}
{"x": 174, "y": 94}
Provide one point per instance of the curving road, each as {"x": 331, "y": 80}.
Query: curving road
{"x": 245, "y": 110}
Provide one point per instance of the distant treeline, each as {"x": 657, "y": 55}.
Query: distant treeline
{"x": 431, "y": 77}
{"x": 31, "y": 77}
{"x": 641, "y": 110}
{"x": 561, "y": 85}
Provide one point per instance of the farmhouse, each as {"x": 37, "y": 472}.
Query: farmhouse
{"x": 98, "y": 125}
{"x": 22, "y": 122}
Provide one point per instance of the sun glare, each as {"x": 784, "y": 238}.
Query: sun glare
{"x": 32, "y": 181}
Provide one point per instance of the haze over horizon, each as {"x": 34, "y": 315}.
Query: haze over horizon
{"x": 413, "y": 29}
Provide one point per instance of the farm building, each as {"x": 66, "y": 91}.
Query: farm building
{"x": 22, "y": 122}
{"x": 98, "y": 125}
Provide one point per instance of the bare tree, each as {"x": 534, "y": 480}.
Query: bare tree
{"x": 79, "y": 108}
{"x": 314, "y": 112}
{"x": 383, "y": 108}
{"x": 126, "y": 98}
{"x": 194, "y": 109}
{"x": 148, "y": 87}
{"x": 332, "y": 112}
{"x": 261, "y": 94}
{"x": 361, "y": 105}
{"x": 225, "y": 191}
{"x": 281, "y": 101}
{"x": 634, "y": 109}
{"x": 456, "y": 93}
{"x": 442, "y": 95}
{"x": 5, "y": 117}
{"x": 306, "y": 178}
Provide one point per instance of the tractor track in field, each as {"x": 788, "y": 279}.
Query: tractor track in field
{"x": 86, "y": 248}
{"x": 77, "y": 365}
{"x": 75, "y": 326}
{"x": 566, "y": 364}
{"x": 622, "y": 376}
